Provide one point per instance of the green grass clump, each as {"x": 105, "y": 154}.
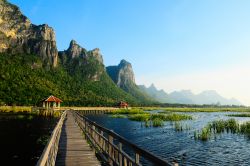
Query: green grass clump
{"x": 118, "y": 116}
{"x": 140, "y": 117}
{"x": 157, "y": 122}
{"x": 205, "y": 134}
{"x": 240, "y": 115}
{"x": 245, "y": 129}
{"x": 172, "y": 117}
{"x": 221, "y": 126}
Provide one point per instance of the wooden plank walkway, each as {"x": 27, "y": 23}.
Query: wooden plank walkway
{"x": 73, "y": 149}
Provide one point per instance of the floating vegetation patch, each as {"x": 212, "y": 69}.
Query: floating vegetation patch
{"x": 222, "y": 126}
{"x": 157, "y": 120}
{"x": 127, "y": 111}
{"x": 140, "y": 117}
{"x": 118, "y": 116}
{"x": 240, "y": 115}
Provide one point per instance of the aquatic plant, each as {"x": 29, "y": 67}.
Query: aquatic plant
{"x": 178, "y": 126}
{"x": 147, "y": 123}
{"x": 205, "y": 134}
{"x": 157, "y": 122}
{"x": 221, "y": 126}
{"x": 127, "y": 111}
{"x": 245, "y": 129}
{"x": 140, "y": 117}
{"x": 118, "y": 116}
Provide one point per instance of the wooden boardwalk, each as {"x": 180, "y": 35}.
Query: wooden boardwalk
{"x": 73, "y": 149}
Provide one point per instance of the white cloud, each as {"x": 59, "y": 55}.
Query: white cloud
{"x": 230, "y": 82}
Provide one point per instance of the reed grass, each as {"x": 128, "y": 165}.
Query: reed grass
{"x": 178, "y": 126}
{"x": 245, "y": 129}
{"x": 221, "y": 126}
{"x": 157, "y": 122}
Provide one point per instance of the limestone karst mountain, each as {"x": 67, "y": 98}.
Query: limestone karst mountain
{"x": 32, "y": 68}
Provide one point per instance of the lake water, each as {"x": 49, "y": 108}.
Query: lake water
{"x": 226, "y": 149}
{"x": 23, "y": 138}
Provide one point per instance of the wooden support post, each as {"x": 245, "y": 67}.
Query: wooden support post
{"x": 110, "y": 150}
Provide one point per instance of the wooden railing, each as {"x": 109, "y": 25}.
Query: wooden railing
{"x": 48, "y": 156}
{"x": 110, "y": 145}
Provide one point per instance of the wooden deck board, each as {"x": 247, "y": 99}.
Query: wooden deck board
{"x": 73, "y": 149}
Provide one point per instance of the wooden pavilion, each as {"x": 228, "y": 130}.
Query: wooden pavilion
{"x": 123, "y": 104}
{"x": 52, "y": 102}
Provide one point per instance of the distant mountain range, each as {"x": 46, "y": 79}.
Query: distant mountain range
{"x": 187, "y": 97}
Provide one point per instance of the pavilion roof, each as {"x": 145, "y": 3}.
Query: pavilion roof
{"x": 52, "y": 99}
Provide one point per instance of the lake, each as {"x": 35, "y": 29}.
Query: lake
{"x": 23, "y": 137}
{"x": 224, "y": 149}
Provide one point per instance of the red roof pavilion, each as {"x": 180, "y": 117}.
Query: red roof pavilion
{"x": 51, "y": 102}
{"x": 53, "y": 99}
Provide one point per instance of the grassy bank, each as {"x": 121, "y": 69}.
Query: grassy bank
{"x": 28, "y": 110}
{"x": 15, "y": 109}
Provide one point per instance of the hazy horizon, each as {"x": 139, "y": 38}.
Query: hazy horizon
{"x": 196, "y": 45}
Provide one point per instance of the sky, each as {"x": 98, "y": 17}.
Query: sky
{"x": 175, "y": 44}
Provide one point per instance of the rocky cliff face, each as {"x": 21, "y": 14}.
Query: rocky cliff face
{"x": 78, "y": 59}
{"x": 122, "y": 74}
{"x": 18, "y": 35}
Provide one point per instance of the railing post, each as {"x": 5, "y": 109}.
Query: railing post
{"x": 125, "y": 161}
{"x": 120, "y": 153}
{"x": 110, "y": 138}
{"x": 137, "y": 158}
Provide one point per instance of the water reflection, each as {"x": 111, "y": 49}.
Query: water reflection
{"x": 23, "y": 138}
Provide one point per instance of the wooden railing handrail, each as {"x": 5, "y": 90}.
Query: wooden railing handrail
{"x": 138, "y": 151}
{"x": 48, "y": 156}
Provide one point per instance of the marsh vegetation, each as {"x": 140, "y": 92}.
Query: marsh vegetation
{"x": 149, "y": 119}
